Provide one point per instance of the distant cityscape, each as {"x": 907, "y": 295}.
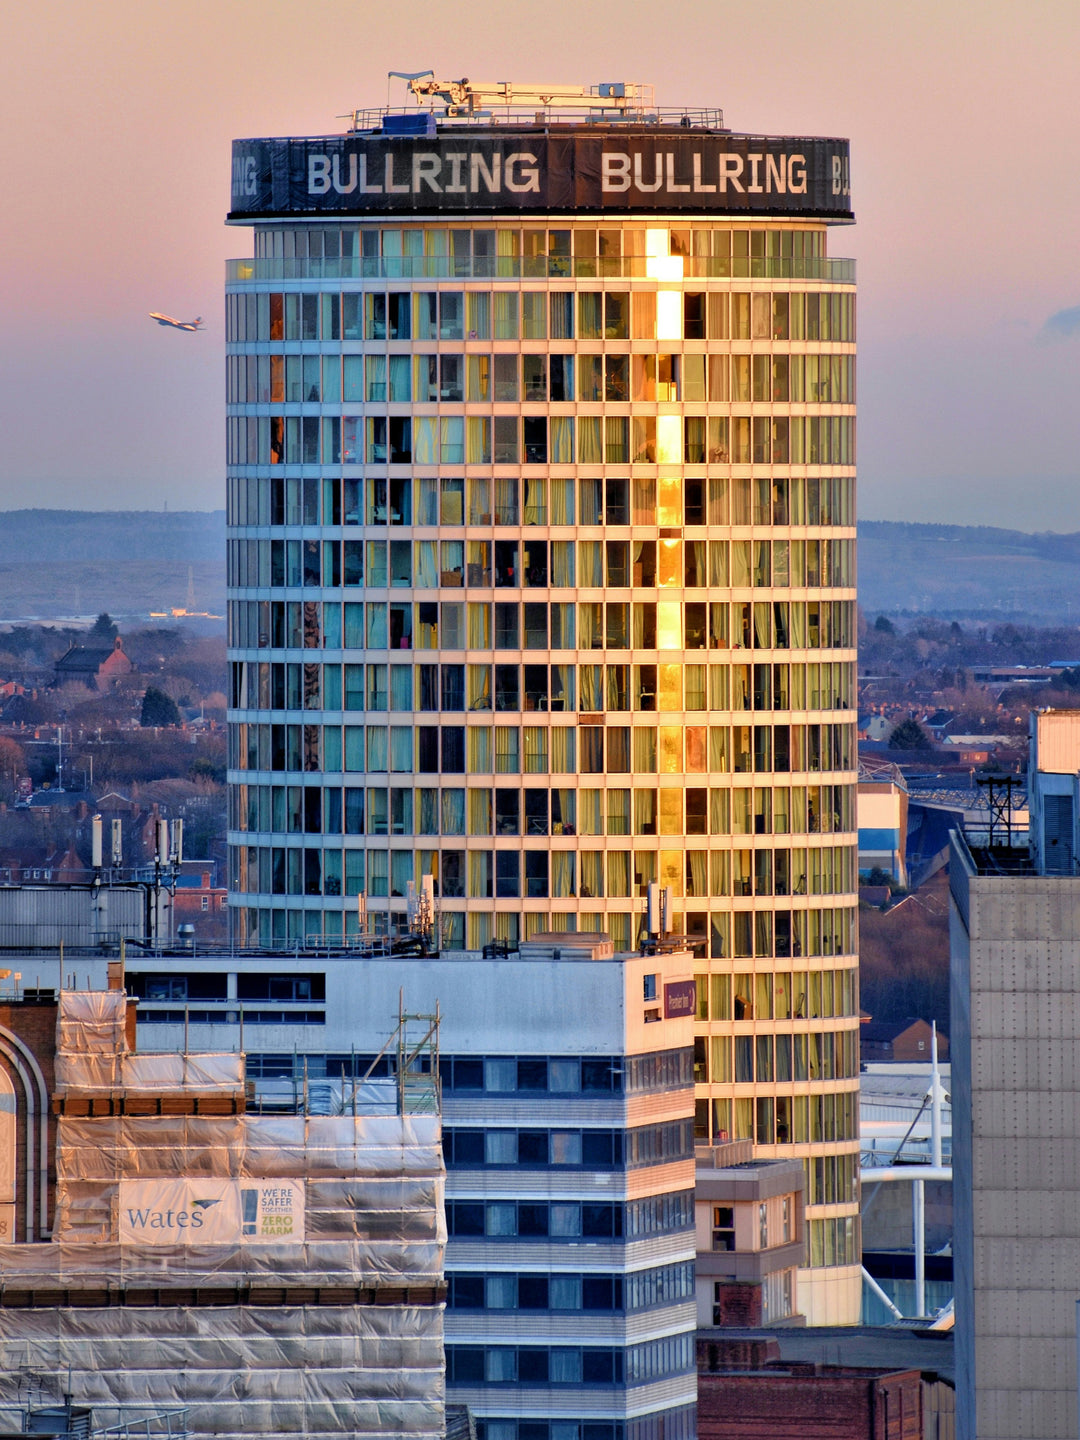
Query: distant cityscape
{"x": 501, "y": 937}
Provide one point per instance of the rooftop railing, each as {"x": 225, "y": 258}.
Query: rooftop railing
{"x": 448, "y": 267}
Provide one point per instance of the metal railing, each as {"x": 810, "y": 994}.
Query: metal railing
{"x": 161, "y": 1425}
{"x": 371, "y": 118}
{"x": 833, "y": 271}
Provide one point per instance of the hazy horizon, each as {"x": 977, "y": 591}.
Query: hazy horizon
{"x": 960, "y": 120}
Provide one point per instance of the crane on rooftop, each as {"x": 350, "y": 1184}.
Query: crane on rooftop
{"x": 473, "y": 97}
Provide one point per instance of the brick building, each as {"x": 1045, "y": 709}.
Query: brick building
{"x": 746, "y": 1392}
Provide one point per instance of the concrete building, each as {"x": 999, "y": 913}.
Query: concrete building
{"x": 1015, "y": 1011}
{"x": 883, "y": 821}
{"x": 751, "y": 1237}
{"x": 567, "y": 1104}
{"x": 541, "y": 566}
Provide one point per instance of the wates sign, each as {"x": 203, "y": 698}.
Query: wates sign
{"x": 211, "y": 1212}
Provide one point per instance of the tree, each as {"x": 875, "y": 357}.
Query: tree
{"x": 909, "y": 735}
{"x": 158, "y": 709}
{"x": 12, "y": 767}
{"x": 104, "y": 628}
{"x": 884, "y": 625}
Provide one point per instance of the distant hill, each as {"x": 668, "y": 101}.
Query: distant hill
{"x": 58, "y": 563}
{"x": 968, "y": 571}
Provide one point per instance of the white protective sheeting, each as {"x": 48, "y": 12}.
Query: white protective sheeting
{"x": 373, "y": 1218}
{"x": 292, "y": 1371}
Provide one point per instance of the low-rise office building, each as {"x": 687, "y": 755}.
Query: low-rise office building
{"x": 567, "y": 1106}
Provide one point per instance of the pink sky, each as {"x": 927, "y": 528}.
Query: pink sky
{"x": 118, "y": 117}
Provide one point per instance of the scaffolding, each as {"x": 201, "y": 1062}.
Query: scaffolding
{"x": 277, "y": 1274}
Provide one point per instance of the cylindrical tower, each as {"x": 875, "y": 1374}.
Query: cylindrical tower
{"x": 542, "y": 573}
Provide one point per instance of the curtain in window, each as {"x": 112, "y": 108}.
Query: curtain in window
{"x": 479, "y": 697}
{"x": 478, "y": 436}
{"x": 427, "y": 822}
{"x": 563, "y": 749}
{"x": 425, "y": 440}
{"x": 696, "y": 875}
{"x": 425, "y": 569}
{"x": 762, "y": 625}
{"x": 694, "y": 688}
{"x": 616, "y": 687}
{"x": 590, "y": 447}
{"x": 562, "y": 502}
{"x": 645, "y": 749}
{"x": 501, "y": 1220}
{"x": 644, "y": 501}
{"x": 478, "y": 314}
{"x": 562, "y": 564}
{"x": 536, "y": 750}
{"x": 562, "y": 873}
{"x": 590, "y": 631}
{"x": 453, "y": 812}
{"x": 506, "y": 500}
{"x": 592, "y": 873}
{"x": 376, "y": 747}
{"x": 740, "y": 563}
{"x": 562, "y": 315}
{"x": 354, "y": 747}
{"x": 564, "y": 1367}
{"x": 479, "y": 512}
{"x": 479, "y": 626}
{"x": 535, "y": 502}
{"x": 616, "y": 440}
{"x": 479, "y": 816}
{"x": 561, "y": 440}
{"x": 590, "y": 678}
{"x": 506, "y": 312}
{"x": 401, "y": 748}
{"x": 618, "y": 873}
{"x": 480, "y": 753}
{"x": 507, "y": 760}
{"x": 354, "y": 627}
{"x": 590, "y": 562}
{"x": 590, "y": 812}
{"x": 400, "y": 378}
{"x": 500, "y": 1148}
{"x": 798, "y": 625}
{"x": 352, "y": 389}
{"x": 618, "y": 812}
{"x": 644, "y": 812}
{"x": 501, "y": 1294}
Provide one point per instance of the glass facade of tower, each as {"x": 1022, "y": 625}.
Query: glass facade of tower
{"x": 542, "y": 582}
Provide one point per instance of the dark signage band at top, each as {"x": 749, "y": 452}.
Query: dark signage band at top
{"x": 467, "y": 172}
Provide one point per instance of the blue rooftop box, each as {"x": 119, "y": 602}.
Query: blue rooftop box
{"x": 422, "y": 122}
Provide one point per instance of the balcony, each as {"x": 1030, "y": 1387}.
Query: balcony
{"x": 544, "y": 267}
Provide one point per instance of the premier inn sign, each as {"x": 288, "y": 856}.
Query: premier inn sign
{"x": 211, "y": 1212}
{"x": 595, "y": 172}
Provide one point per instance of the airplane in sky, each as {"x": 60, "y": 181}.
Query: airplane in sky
{"x": 196, "y": 324}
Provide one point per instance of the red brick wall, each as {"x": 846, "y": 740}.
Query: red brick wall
{"x": 35, "y": 1025}
{"x": 858, "y": 1406}
{"x": 739, "y": 1305}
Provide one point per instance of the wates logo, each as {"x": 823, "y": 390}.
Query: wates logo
{"x": 150, "y": 1219}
